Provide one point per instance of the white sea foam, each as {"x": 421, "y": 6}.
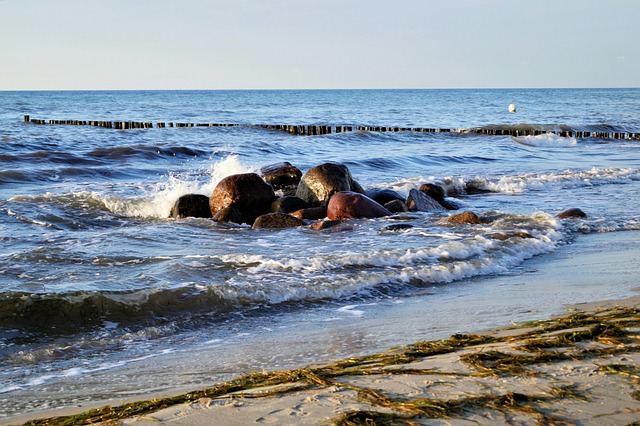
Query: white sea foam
{"x": 161, "y": 197}
{"x": 335, "y": 275}
{"x": 564, "y": 179}
{"x": 546, "y": 140}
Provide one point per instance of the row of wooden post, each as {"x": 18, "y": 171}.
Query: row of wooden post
{"x": 325, "y": 130}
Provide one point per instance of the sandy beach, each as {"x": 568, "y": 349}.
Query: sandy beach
{"x": 577, "y": 367}
{"x": 580, "y": 368}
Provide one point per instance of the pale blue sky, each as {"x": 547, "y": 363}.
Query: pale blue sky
{"x": 324, "y": 44}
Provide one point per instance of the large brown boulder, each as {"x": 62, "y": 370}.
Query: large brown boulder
{"x": 191, "y": 205}
{"x": 319, "y": 183}
{"x": 247, "y": 192}
{"x": 418, "y": 201}
{"x": 281, "y": 176}
{"x": 353, "y": 205}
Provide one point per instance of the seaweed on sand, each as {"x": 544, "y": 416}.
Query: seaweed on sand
{"x": 576, "y": 336}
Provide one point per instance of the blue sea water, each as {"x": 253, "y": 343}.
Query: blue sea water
{"x": 96, "y": 279}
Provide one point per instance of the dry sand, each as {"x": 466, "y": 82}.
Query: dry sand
{"x": 580, "y": 369}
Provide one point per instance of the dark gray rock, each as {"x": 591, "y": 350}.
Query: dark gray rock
{"x": 319, "y": 183}
{"x": 191, "y": 205}
{"x": 419, "y": 201}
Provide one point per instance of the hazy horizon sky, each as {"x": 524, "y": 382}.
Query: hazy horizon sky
{"x": 321, "y": 44}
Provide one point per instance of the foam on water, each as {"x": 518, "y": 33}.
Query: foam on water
{"x": 547, "y": 140}
{"x": 160, "y": 198}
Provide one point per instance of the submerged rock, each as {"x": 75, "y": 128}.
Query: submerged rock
{"x": 573, "y": 213}
{"x": 397, "y": 227}
{"x": 469, "y": 218}
{"x": 324, "y": 224}
{"x": 276, "y": 220}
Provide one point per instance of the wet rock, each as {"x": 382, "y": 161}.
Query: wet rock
{"x": 353, "y": 205}
{"x": 502, "y": 236}
{"x": 281, "y": 176}
{"x": 324, "y": 224}
{"x": 276, "y": 220}
{"x": 288, "y": 204}
{"x": 397, "y": 227}
{"x": 434, "y": 191}
{"x": 476, "y": 187}
{"x": 419, "y": 201}
{"x": 191, "y": 205}
{"x": 466, "y": 218}
{"x": 319, "y": 183}
{"x": 247, "y": 192}
{"x": 396, "y": 206}
{"x": 573, "y": 213}
{"x": 438, "y": 193}
{"x": 311, "y": 213}
{"x": 384, "y": 196}
{"x": 228, "y": 214}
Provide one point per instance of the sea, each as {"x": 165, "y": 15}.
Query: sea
{"x": 104, "y": 297}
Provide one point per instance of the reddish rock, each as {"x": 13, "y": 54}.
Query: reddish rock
{"x": 574, "y": 213}
{"x": 319, "y": 183}
{"x": 466, "y": 218}
{"x": 247, "y": 192}
{"x": 353, "y": 205}
{"x": 324, "y": 224}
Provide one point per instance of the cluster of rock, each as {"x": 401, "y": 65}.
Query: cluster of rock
{"x": 326, "y": 194}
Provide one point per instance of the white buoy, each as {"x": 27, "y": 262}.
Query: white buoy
{"x": 512, "y": 108}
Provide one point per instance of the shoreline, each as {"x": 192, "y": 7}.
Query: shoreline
{"x": 587, "y": 265}
{"x": 583, "y": 364}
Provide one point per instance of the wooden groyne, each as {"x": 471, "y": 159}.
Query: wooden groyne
{"x": 316, "y": 130}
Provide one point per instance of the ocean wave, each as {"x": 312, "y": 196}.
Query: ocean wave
{"x": 224, "y": 282}
{"x": 521, "y": 183}
{"x": 145, "y": 151}
{"x": 532, "y": 129}
{"x": 548, "y": 140}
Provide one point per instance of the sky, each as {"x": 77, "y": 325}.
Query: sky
{"x": 317, "y": 44}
